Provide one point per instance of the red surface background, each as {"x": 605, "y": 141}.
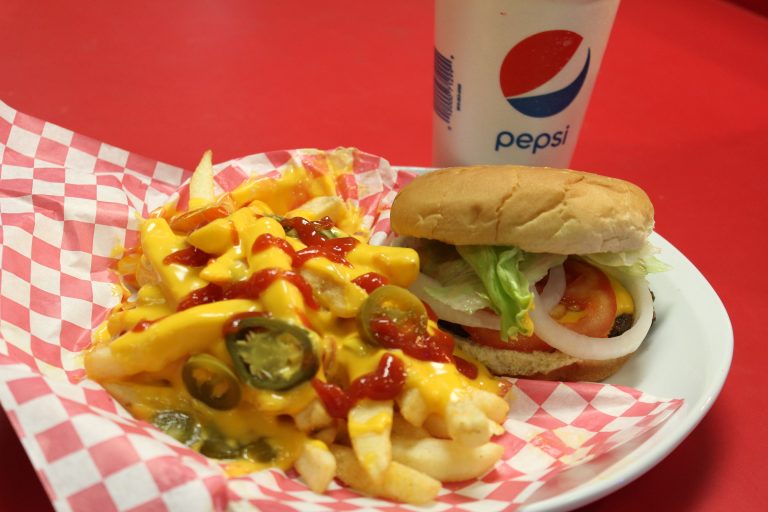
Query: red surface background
{"x": 680, "y": 108}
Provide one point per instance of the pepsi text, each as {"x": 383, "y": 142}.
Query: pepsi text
{"x": 525, "y": 140}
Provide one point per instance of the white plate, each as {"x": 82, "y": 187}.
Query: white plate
{"x": 687, "y": 355}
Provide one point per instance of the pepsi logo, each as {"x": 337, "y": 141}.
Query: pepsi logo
{"x": 535, "y": 61}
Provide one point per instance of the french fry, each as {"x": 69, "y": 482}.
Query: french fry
{"x": 167, "y": 340}
{"x": 332, "y": 289}
{"x": 436, "y": 426}
{"x": 496, "y": 428}
{"x": 412, "y": 406}
{"x": 492, "y": 405}
{"x": 369, "y": 424}
{"x": 402, "y": 428}
{"x": 327, "y": 435}
{"x": 316, "y": 465}
{"x": 319, "y": 207}
{"x": 201, "y": 183}
{"x": 445, "y": 460}
{"x": 399, "y": 482}
{"x": 466, "y": 423}
{"x": 312, "y": 417}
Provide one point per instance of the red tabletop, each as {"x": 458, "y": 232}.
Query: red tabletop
{"x": 680, "y": 108}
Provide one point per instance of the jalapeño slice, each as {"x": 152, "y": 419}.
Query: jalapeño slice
{"x": 219, "y": 448}
{"x": 272, "y": 354}
{"x": 261, "y": 450}
{"x": 179, "y": 425}
{"x": 391, "y": 306}
{"x": 211, "y": 381}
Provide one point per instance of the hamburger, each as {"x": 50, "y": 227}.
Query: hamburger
{"x": 538, "y": 272}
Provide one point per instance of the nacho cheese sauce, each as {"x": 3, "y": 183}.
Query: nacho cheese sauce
{"x": 284, "y": 250}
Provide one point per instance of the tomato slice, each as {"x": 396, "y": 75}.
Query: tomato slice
{"x": 492, "y": 338}
{"x": 588, "y": 291}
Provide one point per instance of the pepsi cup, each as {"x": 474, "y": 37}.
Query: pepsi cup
{"x": 513, "y": 78}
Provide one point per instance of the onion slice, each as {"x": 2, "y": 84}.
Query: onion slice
{"x": 482, "y": 318}
{"x": 586, "y": 347}
{"x": 554, "y": 289}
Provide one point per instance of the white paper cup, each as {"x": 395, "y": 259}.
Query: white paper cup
{"x": 513, "y": 78}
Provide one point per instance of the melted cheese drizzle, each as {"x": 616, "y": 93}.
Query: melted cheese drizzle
{"x": 145, "y": 361}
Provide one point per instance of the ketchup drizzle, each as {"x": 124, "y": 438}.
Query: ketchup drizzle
{"x": 308, "y": 230}
{"x": 190, "y": 256}
{"x": 318, "y": 245}
{"x": 336, "y": 401}
{"x": 267, "y": 240}
{"x": 384, "y": 383}
{"x": 252, "y": 287}
{"x": 204, "y": 295}
{"x": 370, "y": 281}
{"x": 466, "y": 368}
{"x": 437, "y": 347}
{"x": 248, "y": 289}
{"x": 334, "y": 249}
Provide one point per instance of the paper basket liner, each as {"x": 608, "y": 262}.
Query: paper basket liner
{"x": 66, "y": 201}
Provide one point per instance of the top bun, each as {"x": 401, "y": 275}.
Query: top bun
{"x": 538, "y": 209}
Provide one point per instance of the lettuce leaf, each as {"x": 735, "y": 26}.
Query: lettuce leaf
{"x": 460, "y": 288}
{"x": 535, "y": 266}
{"x": 507, "y": 288}
{"x": 636, "y": 263}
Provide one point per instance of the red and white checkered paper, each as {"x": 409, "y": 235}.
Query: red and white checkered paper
{"x": 66, "y": 201}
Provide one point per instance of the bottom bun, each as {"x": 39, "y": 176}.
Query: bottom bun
{"x": 541, "y": 365}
